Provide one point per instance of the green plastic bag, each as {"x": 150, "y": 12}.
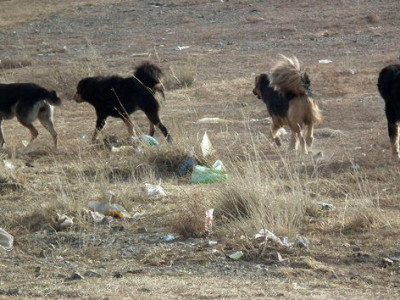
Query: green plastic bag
{"x": 209, "y": 175}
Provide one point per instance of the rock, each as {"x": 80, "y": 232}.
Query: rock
{"x": 236, "y": 255}
{"x": 6, "y": 240}
{"x": 76, "y": 276}
{"x": 14, "y": 292}
{"x": 325, "y": 206}
{"x": 90, "y": 273}
{"x": 387, "y": 262}
{"x": 302, "y": 241}
{"x": 141, "y": 230}
{"x": 117, "y": 275}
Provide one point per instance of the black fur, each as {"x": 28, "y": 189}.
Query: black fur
{"x": 149, "y": 74}
{"x": 277, "y": 104}
{"x": 27, "y": 101}
{"x": 119, "y": 97}
{"x": 389, "y": 88}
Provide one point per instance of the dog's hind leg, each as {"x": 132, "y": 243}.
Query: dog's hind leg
{"x": 310, "y": 135}
{"x": 100, "y": 123}
{"x": 155, "y": 120}
{"x": 48, "y": 124}
{"x": 293, "y": 141}
{"x": 129, "y": 125}
{"x": 297, "y": 130}
{"x": 152, "y": 129}
{"x": 33, "y": 131}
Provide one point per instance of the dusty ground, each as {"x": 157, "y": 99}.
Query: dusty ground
{"x": 55, "y": 44}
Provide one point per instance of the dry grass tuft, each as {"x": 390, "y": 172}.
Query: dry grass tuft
{"x": 180, "y": 76}
{"x": 15, "y": 63}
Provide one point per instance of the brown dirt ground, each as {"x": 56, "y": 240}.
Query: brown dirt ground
{"x": 229, "y": 42}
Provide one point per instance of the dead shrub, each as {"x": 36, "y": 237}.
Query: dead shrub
{"x": 15, "y": 63}
{"x": 181, "y": 76}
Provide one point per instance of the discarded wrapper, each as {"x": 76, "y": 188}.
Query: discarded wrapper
{"x": 154, "y": 191}
{"x": 109, "y": 209}
{"x": 209, "y": 220}
{"x": 6, "y": 240}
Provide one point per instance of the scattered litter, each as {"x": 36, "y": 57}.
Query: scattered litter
{"x": 267, "y": 235}
{"x": 278, "y": 257}
{"x": 326, "y": 206}
{"x": 168, "y": 238}
{"x": 25, "y": 143}
{"x": 64, "y": 221}
{"x": 387, "y": 262}
{"x": 187, "y": 167}
{"x": 90, "y": 273}
{"x": 112, "y": 141}
{"x": 144, "y": 140}
{"x": 212, "y": 243}
{"x": 121, "y": 149}
{"x": 285, "y": 240}
{"x": 96, "y": 216}
{"x": 180, "y": 48}
{"x": 76, "y": 276}
{"x": 136, "y": 216}
{"x": 206, "y": 146}
{"x": 355, "y": 167}
{"x": 236, "y": 255}
{"x": 8, "y": 164}
{"x": 209, "y": 220}
{"x": 301, "y": 241}
{"x": 6, "y": 240}
{"x": 203, "y": 174}
{"x": 324, "y": 61}
{"x": 109, "y": 209}
{"x": 211, "y": 120}
{"x": 394, "y": 258}
{"x": 154, "y": 191}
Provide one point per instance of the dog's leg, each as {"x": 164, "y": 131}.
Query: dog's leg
{"x": 152, "y": 129}
{"x": 394, "y": 138}
{"x": 48, "y": 124}
{"x": 46, "y": 119}
{"x": 274, "y": 129}
{"x": 310, "y": 135}
{"x": 155, "y": 120}
{"x": 33, "y": 131}
{"x": 302, "y": 139}
{"x": 293, "y": 141}
{"x": 2, "y": 141}
{"x": 100, "y": 123}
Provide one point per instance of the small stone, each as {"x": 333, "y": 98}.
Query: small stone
{"x": 387, "y": 262}
{"x": 90, "y": 273}
{"x": 76, "y": 276}
{"x": 117, "y": 275}
{"x": 141, "y": 230}
{"x": 14, "y": 292}
{"x": 118, "y": 228}
{"x": 302, "y": 241}
{"x": 42, "y": 254}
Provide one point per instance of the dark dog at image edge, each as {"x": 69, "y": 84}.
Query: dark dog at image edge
{"x": 119, "y": 97}
{"x": 287, "y": 94}
{"x": 389, "y": 88}
{"x": 28, "y": 102}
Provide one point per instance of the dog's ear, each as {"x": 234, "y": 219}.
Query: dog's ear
{"x": 53, "y": 94}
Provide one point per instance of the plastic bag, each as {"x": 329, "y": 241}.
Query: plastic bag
{"x": 208, "y": 175}
{"x": 109, "y": 209}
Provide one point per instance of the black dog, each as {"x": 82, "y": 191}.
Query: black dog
{"x": 119, "y": 97}
{"x": 28, "y": 102}
{"x": 389, "y": 88}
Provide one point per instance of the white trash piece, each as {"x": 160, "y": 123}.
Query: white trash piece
{"x": 209, "y": 220}
{"x": 325, "y": 61}
{"x": 268, "y": 236}
{"x": 206, "y": 146}
{"x": 6, "y": 240}
{"x": 154, "y": 191}
{"x": 109, "y": 209}
{"x": 64, "y": 221}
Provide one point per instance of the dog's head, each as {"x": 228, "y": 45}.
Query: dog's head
{"x": 261, "y": 80}
{"x": 54, "y": 99}
{"x": 80, "y": 90}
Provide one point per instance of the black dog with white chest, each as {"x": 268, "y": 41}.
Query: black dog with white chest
{"x": 28, "y": 102}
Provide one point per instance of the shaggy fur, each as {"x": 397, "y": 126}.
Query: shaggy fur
{"x": 119, "y": 97}
{"x": 287, "y": 94}
{"x": 389, "y": 88}
{"x": 28, "y": 102}
{"x": 150, "y": 75}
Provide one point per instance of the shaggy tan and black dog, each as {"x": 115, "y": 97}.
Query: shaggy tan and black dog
{"x": 287, "y": 94}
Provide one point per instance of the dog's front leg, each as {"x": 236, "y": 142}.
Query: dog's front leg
{"x": 100, "y": 123}
{"x": 394, "y": 138}
{"x": 274, "y": 130}
{"x": 2, "y": 141}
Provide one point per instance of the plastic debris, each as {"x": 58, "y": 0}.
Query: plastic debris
{"x": 25, "y": 143}
{"x": 236, "y": 255}
{"x": 145, "y": 140}
{"x": 326, "y": 206}
{"x": 109, "y": 209}
{"x": 325, "y": 61}
{"x": 211, "y": 120}
{"x": 267, "y": 235}
{"x": 8, "y": 164}
{"x": 209, "y": 220}
{"x": 203, "y": 174}
{"x": 154, "y": 191}
{"x": 168, "y": 238}
{"x": 187, "y": 167}
{"x": 180, "y": 48}
{"x": 6, "y": 240}
{"x": 212, "y": 243}
{"x": 64, "y": 221}
{"x": 206, "y": 146}
{"x": 281, "y": 131}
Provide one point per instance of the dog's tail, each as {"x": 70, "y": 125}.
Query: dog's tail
{"x": 53, "y": 98}
{"x": 287, "y": 77}
{"x": 150, "y": 75}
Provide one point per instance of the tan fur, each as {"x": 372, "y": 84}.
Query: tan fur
{"x": 286, "y": 76}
